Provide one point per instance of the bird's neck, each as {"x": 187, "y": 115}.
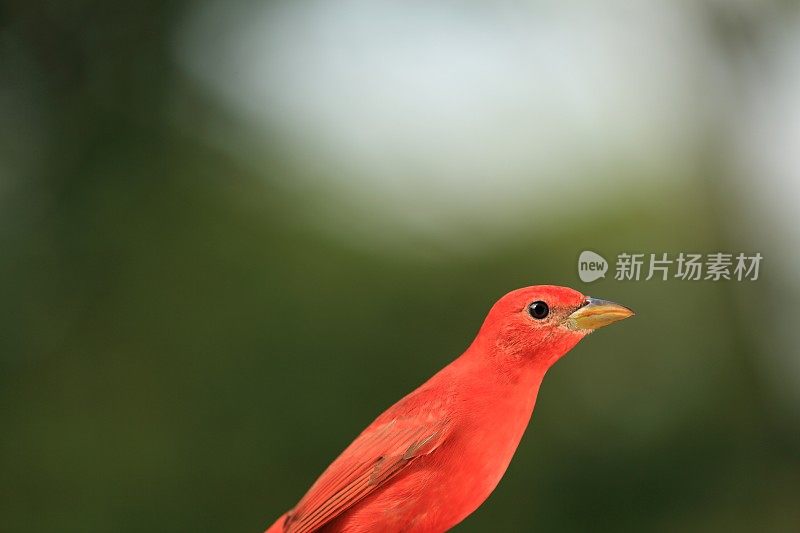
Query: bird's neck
{"x": 495, "y": 365}
{"x": 494, "y": 406}
{"x": 489, "y": 378}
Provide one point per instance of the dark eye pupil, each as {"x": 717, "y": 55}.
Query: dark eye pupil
{"x": 538, "y": 310}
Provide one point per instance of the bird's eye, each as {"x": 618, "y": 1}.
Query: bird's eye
{"x": 538, "y": 310}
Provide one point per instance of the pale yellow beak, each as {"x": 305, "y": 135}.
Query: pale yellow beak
{"x": 596, "y": 313}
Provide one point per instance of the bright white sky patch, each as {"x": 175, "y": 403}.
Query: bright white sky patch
{"x": 421, "y": 116}
{"x": 767, "y": 156}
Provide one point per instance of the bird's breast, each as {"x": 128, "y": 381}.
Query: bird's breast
{"x": 445, "y": 487}
{"x": 439, "y": 490}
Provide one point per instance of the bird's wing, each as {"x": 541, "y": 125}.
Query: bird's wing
{"x": 380, "y": 452}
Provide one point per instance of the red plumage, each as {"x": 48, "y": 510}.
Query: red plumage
{"x": 432, "y": 458}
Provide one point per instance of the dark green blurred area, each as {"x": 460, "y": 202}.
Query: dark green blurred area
{"x": 181, "y": 349}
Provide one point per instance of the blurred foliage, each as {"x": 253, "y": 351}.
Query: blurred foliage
{"x": 179, "y": 351}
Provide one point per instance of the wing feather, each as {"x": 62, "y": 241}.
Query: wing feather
{"x": 380, "y": 452}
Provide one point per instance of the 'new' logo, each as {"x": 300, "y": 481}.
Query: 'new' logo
{"x": 591, "y": 266}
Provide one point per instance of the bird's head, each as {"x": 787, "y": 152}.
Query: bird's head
{"x": 540, "y": 324}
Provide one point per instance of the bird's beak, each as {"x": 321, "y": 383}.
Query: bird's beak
{"x": 594, "y": 314}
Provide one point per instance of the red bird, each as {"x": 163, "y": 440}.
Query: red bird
{"x": 432, "y": 458}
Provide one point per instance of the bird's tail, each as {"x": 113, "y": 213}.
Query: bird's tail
{"x": 277, "y": 527}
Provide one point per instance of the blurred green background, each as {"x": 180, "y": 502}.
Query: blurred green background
{"x": 234, "y": 232}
